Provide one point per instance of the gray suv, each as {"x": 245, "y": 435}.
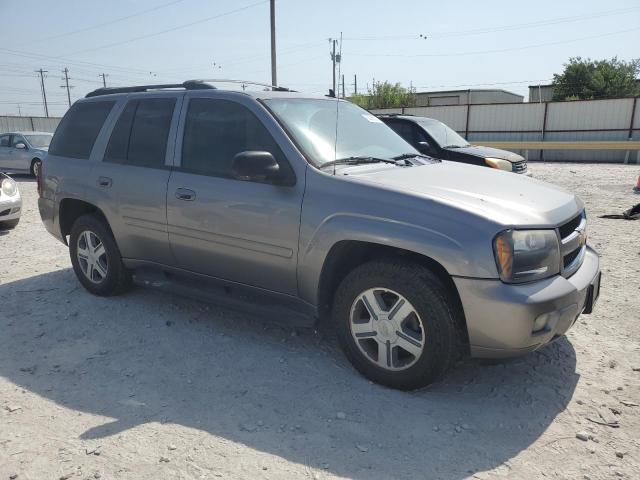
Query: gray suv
{"x": 296, "y": 203}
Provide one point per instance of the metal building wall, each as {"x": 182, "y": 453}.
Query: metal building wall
{"x": 31, "y": 124}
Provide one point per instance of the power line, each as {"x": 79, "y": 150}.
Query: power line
{"x": 110, "y": 22}
{"x": 172, "y": 29}
{"x": 501, "y": 50}
{"x": 502, "y": 28}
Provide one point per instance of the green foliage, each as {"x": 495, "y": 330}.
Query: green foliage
{"x": 589, "y": 79}
{"x": 386, "y": 95}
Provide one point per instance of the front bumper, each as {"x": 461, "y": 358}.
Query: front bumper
{"x": 10, "y": 208}
{"x": 500, "y": 317}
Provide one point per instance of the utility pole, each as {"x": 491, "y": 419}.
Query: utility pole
{"x": 104, "y": 80}
{"x": 343, "y": 95}
{"x": 19, "y": 111}
{"x": 44, "y": 93}
{"x": 66, "y": 84}
{"x": 355, "y": 84}
{"x": 274, "y": 76}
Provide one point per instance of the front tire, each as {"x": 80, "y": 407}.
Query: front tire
{"x": 396, "y": 324}
{"x": 9, "y": 224}
{"x": 36, "y": 165}
{"x": 96, "y": 258}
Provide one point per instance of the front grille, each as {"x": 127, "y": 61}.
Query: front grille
{"x": 573, "y": 243}
{"x": 520, "y": 167}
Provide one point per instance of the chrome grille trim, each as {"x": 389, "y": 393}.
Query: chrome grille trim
{"x": 573, "y": 246}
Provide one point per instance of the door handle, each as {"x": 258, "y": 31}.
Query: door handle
{"x": 104, "y": 182}
{"x": 185, "y": 194}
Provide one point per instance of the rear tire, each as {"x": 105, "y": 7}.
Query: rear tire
{"x": 96, "y": 258}
{"x": 411, "y": 301}
{"x": 9, "y": 224}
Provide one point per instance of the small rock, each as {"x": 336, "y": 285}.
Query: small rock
{"x": 341, "y": 415}
{"x": 168, "y": 323}
{"x": 362, "y": 448}
{"x": 612, "y": 363}
{"x": 13, "y": 408}
{"x": 260, "y": 423}
{"x": 458, "y": 428}
{"x": 265, "y": 468}
{"x": 172, "y": 447}
{"x": 579, "y": 402}
{"x": 66, "y": 476}
{"x": 436, "y": 428}
{"x": 13, "y": 476}
{"x": 96, "y": 475}
{"x": 164, "y": 459}
{"x": 620, "y": 454}
{"x": 584, "y": 436}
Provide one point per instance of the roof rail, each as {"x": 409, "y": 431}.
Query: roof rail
{"x": 275, "y": 88}
{"x": 188, "y": 85}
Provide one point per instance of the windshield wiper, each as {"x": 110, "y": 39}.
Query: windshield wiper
{"x": 457, "y": 146}
{"x": 357, "y": 161}
{"x": 406, "y": 156}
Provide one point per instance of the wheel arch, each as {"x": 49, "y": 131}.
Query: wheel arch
{"x": 346, "y": 255}
{"x": 71, "y": 209}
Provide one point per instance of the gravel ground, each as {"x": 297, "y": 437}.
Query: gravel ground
{"x": 152, "y": 386}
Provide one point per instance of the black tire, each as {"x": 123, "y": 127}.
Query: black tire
{"x": 429, "y": 297}
{"x": 34, "y": 162}
{"x": 9, "y": 224}
{"x": 117, "y": 279}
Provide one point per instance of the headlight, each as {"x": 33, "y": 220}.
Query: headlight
{"x": 499, "y": 163}
{"x": 526, "y": 255}
{"x": 9, "y": 187}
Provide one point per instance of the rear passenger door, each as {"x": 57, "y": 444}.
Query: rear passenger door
{"x": 238, "y": 230}
{"x": 131, "y": 180}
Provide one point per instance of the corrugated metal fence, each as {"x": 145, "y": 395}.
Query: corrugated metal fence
{"x": 33, "y": 124}
{"x": 590, "y": 120}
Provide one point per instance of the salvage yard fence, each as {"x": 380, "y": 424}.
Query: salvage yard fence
{"x": 590, "y": 125}
{"x": 577, "y": 131}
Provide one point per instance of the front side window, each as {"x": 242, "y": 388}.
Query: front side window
{"x": 328, "y": 130}
{"x": 16, "y": 139}
{"x": 216, "y": 131}
{"x": 79, "y": 129}
{"x": 444, "y": 136}
{"x": 140, "y": 135}
{"x": 4, "y": 140}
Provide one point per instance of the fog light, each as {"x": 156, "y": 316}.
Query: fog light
{"x": 545, "y": 322}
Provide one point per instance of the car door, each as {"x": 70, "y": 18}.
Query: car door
{"x": 131, "y": 180}
{"x": 19, "y": 158}
{"x": 5, "y": 142}
{"x": 222, "y": 226}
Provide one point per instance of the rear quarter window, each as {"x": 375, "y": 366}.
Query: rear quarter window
{"x": 79, "y": 129}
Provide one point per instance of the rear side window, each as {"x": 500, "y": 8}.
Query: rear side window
{"x": 216, "y": 130}
{"x": 140, "y": 135}
{"x": 404, "y": 129}
{"x": 79, "y": 129}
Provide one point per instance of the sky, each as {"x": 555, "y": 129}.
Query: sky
{"x": 425, "y": 44}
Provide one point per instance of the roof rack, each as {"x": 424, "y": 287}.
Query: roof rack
{"x": 275, "y": 88}
{"x": 188, "y": 85}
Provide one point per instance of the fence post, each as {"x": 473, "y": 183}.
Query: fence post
{"x": 544, "y": 128}
{"x": 466, "y": 127}
{"x": 630, "y": 136}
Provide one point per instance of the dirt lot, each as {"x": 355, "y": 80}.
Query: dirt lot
{"x": 150, "y": 386}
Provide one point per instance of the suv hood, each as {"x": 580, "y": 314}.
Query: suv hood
{"x": 511, "y": 200}
{"x": 484, "y": 152}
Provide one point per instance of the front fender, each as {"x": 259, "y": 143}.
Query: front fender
{"x": 447, "y": 251}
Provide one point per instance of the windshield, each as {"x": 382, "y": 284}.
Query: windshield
{"x": 312, "y": 123}
{"x": 39, "y": 141}
{"x": 442, "y": 134}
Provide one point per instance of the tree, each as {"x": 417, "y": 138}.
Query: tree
{"x": 589, "y": 79}
{"x": 386, "y": 95}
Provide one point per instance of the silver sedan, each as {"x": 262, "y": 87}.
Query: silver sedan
{"x": 10, "y": 203}
{"x": 22, "y": 152}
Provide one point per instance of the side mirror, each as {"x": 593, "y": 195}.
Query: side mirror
{"x": 425, "y": 147}
{"x": 256, "y": 166}
{"x": 21, "y": 146}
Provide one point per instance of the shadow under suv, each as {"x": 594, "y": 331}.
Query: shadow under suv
{"x": 313, "y": 205}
